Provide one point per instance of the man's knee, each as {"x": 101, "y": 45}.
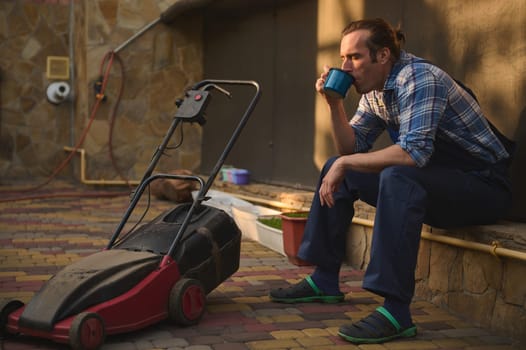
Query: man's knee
{"x": 398, "y": 176}
{"x": 398, "y": 171}
{"x": 328, "y": 164}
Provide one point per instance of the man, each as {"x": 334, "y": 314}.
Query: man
{"x": 446, "y": 168}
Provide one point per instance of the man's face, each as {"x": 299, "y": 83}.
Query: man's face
{"x": 356, "y": 60}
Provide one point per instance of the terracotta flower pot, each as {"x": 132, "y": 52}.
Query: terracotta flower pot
{"x": 293, "y": 225}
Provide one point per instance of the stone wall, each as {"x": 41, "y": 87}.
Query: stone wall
{"x": 477, "y": 285}
{"x": 32, "y": 131}
{"x": 152, "y": 70}
{"x": 481, "y": 287}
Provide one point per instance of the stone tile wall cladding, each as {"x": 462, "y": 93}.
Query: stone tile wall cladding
{"x": 155, "y": 70}
{"x": 479, "y": 286}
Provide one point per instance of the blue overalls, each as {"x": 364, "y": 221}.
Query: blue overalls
{"x": 445, "y": 193}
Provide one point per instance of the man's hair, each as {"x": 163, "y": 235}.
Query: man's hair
{"x": 382, "y": 35}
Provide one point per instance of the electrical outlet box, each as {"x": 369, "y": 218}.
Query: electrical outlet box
{"x": 57, "y": 67}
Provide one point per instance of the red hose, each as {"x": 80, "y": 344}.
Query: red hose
{"x": 109, "y": 57}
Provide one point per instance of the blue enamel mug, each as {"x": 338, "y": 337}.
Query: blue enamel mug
{"x": 337, "y": 83}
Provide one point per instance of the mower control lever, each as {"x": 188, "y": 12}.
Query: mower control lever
{"x": 217, "y": 87}
{"x": 193, "y": 105}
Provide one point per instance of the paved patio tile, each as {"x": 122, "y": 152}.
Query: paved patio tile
{"x": 40, "y": 237}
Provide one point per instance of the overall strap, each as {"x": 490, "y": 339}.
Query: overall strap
{"x": 508, "y": 144}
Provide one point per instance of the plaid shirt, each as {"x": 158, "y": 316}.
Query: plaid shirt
{"x": 423, "y": 105}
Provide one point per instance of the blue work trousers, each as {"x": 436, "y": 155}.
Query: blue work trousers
{"x": 405, "y": 198}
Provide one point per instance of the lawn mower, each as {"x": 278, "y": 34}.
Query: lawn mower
{"x": 159, "y": 270}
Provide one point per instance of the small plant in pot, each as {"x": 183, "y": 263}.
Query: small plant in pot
{"x": 293, "y": 225}
{"x": 272, "y": 221}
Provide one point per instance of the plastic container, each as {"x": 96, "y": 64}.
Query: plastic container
{"x": 226, "y": 173}
{"x": 240, "y": 176}
{"x": 246, "y": 217}
{"x": 270, "y": 237}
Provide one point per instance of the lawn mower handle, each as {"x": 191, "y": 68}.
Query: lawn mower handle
{"x": 137, "y": 195}
{"x": 224, "y": 154}
{"x": 240, "y": 125}
{"x": 204, "y": 187}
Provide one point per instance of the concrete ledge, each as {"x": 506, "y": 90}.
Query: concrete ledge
{"x": 277, "y": 197}
{"x": 506, "y": 234}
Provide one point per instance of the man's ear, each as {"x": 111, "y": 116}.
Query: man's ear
{"x": 383, "y": 55}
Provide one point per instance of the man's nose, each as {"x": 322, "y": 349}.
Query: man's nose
{"x": 346, "y": 65}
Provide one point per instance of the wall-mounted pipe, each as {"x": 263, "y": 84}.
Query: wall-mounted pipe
{"x": 492, "y": 249}
{"x": 83, "y": 179}
{"x": 168, "y": 16}
{"x": 71, "y": 41}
